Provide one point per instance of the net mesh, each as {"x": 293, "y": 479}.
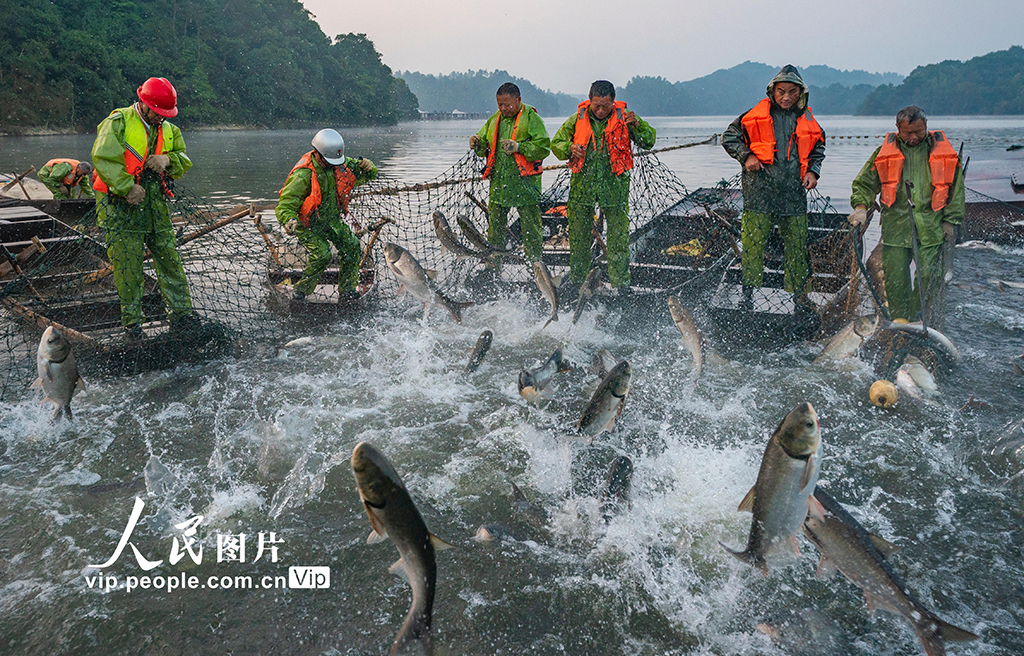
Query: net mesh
{"x": 237, "y": 266}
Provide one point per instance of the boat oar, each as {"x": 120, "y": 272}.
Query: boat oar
{"x": 269, "y": 242}
{"x": 917, "y": 255}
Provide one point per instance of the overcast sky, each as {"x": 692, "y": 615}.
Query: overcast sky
{"x": 564, "y": 46}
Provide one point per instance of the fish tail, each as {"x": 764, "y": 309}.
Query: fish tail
{"x": 554, "y": 317}
{"x": 416, "y": 629}
{"x": 747, "y": 557}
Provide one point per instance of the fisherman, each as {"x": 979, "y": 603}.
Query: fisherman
{"x": 597, "y": 140}
{"x": 515, "y": 149}
{"x": 316, "y": 218}
{"x": 775, "y": 181}
{"x": 932, "y": 166}
{"x": 136, "y": 155}
{"x": 62, "y": 175}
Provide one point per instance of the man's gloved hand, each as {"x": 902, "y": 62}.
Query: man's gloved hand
{"x": 365, "y": 165}
{"x": 135, "y": 195}
{"x": 577, "y": 151}
{"x": 157, "y": 163}
{"x": 858, "y": 217}
{"x": 752, "y": 164}
{"x": 510, "y": 146}
{"x": 948, "y": 231}
{"x": 66, "y": 190}
{"x": 289, "y": 226}
{"x": 475, "y": 141}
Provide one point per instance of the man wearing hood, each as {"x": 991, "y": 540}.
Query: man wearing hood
{"x": 781, "y": 148}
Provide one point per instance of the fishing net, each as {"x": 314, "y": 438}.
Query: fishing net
{"x": 991, "y": 219}
{"x": 192, "y": 283}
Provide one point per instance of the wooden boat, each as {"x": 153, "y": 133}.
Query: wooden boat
{"x": 53, "y": 275}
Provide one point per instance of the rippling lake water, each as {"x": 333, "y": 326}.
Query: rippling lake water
{"x": 260, "y": 446}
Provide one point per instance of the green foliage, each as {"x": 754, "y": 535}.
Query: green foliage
{"x": 990, "y": 84}
{"x": 255, "y": 62}
{"x": 473, "y": 91}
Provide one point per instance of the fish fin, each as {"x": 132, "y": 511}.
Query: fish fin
{"x": 67, "y": 411}
{"x": 379, "y": 533}
{"x": 748, "y": 558}
{"x": 887, "y": 548}
{"x": 546, "y": 394}
{"x": 794, "y": 545}
{"x": 826, "y": 569}
{"x": 1017, "y": 370}
{"x": 517, "y": 494}
{"x": 873, "y": 602}
{"x": 38, "y": 383}
{"x": 1001, "y": 286}
{"x": 80, "y": 384}
{"x": 554, "y": 317}
{"x": 439, "y": 544}
{"x": 747, "y": 505}
{"x": 49, "y": 373}
{"x": 398, "y": 568}
{"x": 809, "y": 469}
{"x": 815, "y": 509}
{"x": 431, "y": 274}
{"x": 954, "y": 633}
{"x": 557, "y": 280}
{"x": 401, "y": 288}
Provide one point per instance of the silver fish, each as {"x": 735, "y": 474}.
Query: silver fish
{"x": 548, "y": 287}
{"x": 805, "y": 632}
{"x": 907, "y": 386}
{"x": 587, "y": 290}
{"x": 849, "y": 340}
{"x": 603, "y": 363}
{"x": 449, "y": 240}
{"x": 473, "y": 235}
{"x": 617, "y": 485}
{"x": 533, "y": 384}
{"x": 921, "y": 375}
{"x": 693, "y": 339}
{"x": 483, "y": 343}
{"x": 607, "y": 402}
{"x": 394, "y": 516}
{"x": 943, "y": 343}
{"x": 58, "y": 372}
{"x": 780, "y": 498}
{"x": 414, "y": 277}
{"x": 845, "y": 546}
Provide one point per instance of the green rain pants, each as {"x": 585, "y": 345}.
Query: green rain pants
{"x": 900, "y": 293}
{"x": 580, "y": 212}
{"x": 318, "y": 242}
{"x": 755, "y": 229}
{"x": 529, "y": 223}
{"x": 126, "y": 250}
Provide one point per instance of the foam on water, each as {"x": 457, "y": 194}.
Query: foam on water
{"x": 263, "y": 445}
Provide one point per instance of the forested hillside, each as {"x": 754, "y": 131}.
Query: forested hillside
{"x": 473, "y": 91}
{"x": 67, "y": 63}
{"x": 990, "y": 84}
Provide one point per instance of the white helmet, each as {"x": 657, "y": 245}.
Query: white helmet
{"x": 330, "y": 145}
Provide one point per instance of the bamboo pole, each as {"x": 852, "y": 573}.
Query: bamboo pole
{"x": 17, "y": 180}
{"x": 373, "y": 239}
{"x": 44, "y": 323}
{"x": 269, "y": 242}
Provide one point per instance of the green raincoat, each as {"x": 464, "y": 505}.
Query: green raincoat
{"x": 596, "y": 184}
{"x": 897, "y": 241}
{"x": 130, "y": 230}
{"x": 775, "y": 194}
{"x": 508, "y": 187}
{"x": 53, "y": 177}
{"x": 326, "y": 225}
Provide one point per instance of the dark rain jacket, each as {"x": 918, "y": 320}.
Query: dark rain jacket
{"x": 777, "y": 189}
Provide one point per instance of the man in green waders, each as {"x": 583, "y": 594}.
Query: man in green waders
{"x": 932, "y": 166}
{"x": 311, "y": 206}
{"x": 515, "y": 143}
{"x": 62, "y": 175}
{"x": 781, "y": 148}
{"x": 598, "y": 142}
{"x": 135, "y": 155}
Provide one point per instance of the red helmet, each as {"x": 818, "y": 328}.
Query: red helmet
{"x": 158, "y": 94}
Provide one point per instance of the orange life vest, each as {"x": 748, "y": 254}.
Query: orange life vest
{"x": 616, "y": 135}
{"x": 761, "y": 134}
{"x": 344, "y": 181}
{"x": 136, "y": 149}
{"x": 942, "y": 161}
{"x": 70, "y": 179}
{"x": 525, "y": 167}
